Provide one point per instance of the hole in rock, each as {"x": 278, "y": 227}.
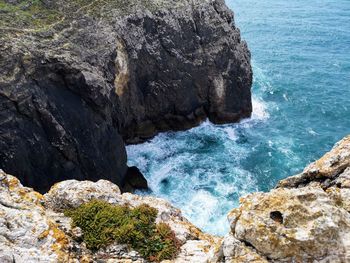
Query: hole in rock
{"x": 277, "y": 216}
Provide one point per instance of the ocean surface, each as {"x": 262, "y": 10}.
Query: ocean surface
{"x": 301, "y": 62}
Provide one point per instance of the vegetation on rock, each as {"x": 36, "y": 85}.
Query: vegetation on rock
{"x": 38, "y": 14}
{"x": 103, "y": 224}
{"x": 27, "y": 14}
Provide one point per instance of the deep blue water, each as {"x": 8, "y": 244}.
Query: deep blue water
{"x": 301, "y": 62}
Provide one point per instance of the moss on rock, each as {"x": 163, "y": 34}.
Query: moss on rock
{"x": 103, "y": 224}
{"x": 40, "y": 14}
{"x": 32, "y": 14}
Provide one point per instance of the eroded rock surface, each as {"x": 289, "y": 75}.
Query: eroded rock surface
{"x": 79, "y": 77}
{"x": 27, "y": 234}
{"x": 34, "y": 229}
{"x": 296, "y": 222}
{"x": 333, "y": 169}
{"x": 306, "y": 219}
{"x": 311, "y": 225}
{"x": 189, "y": 64}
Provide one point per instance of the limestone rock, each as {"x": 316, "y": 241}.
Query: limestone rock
{"x": 73, "y": 193}
{"x": 311, "y": 225}
{"x": 33, "y": 227}
{"x": 305, "y": 219}
{"x": 333, "y": 168}
{"x": 199, "y": 251}
{"x": 341, "y": 196}
{"x": 304, "y": 222}
{"x": 27, "y": 234}
{"x": 234, "y": 251}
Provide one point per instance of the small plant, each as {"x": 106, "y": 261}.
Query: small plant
{"x": 103, "y": 223}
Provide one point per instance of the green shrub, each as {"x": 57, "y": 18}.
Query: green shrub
{"x": 103, "y": 223}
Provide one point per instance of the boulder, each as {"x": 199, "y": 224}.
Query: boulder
{"x": 134, "y": 179}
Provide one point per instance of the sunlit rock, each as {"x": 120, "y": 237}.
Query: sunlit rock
{"x": 27, "y": 234}
{"x": 331, "y": 169}
{"x": 305, "y": 219}
{"x": 310, "y": 225}
{"x": 33, "y": 227}
{"x": 234, "y": 251}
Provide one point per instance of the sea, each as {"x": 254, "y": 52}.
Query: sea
{"x": 301, "y": 107}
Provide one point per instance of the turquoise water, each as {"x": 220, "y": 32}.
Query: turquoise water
{"x": 301, "y": 62}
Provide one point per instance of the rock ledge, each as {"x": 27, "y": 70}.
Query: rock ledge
{"x": 305, "y": 219}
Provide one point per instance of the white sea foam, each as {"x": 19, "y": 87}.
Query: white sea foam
{"x": 312, "y": 132}
{"x": 205, "y": 170}
{"x": 205, "y": 185}
{"x": 231, "y": 133}
{"x": 161, "y": 174}
{"x": 203, "y": 207}
{"x": 200, "y": 170}
{"x": 259, "y": 109}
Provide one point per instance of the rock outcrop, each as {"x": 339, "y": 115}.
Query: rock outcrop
{"x": 77, "y": 78}
{"x": 305, "y": 219}
{"x": 34, "y": 229}
{"x": 27, "y": 233}
{"x": 189, "y": 64}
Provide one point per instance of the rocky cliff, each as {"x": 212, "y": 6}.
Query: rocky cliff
{"x": 305, "y": 219}
{"x": 78, "y": 78}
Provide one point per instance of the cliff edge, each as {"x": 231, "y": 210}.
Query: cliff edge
{"x": 79, "y": 78}
{"x": 305, "y": 219}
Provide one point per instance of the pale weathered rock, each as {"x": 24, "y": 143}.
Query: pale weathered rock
{"x": 343, "y": 180}
{"x": 308, "y": 220}
{"x": 330, "y": 166}
{"x": 341, "y": 197}
{"x": 311, "y": 225}
{"x": 26, "y": 233}
{"x": 194, "y": 251}
{"x": 34, "y": 229}
{"x": 234, "y": 251}
{"x": 73, "y": 193}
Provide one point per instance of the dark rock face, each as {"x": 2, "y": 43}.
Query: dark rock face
{"x": 187, "y": 65}
{"x": 134, "y": 179}
{"x": 56, "y": 125}
{"x": 71, "y": 90}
